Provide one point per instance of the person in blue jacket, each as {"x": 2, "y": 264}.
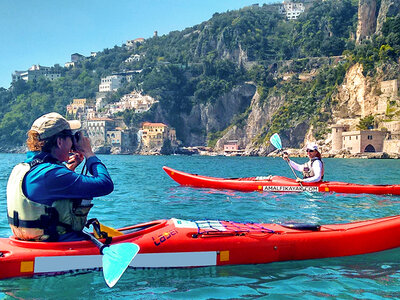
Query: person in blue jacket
{"x": 46, "y": 199}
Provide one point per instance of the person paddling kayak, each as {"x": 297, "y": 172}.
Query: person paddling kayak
{"x": 313, "y": 170}
{"x": 46, "y": 199}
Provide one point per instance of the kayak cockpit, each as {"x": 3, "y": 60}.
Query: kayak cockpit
{"x": 143, "y": 228}
{"x": 129, "y": 232}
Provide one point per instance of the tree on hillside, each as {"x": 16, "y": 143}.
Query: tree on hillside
{"x": 366, "y": 123}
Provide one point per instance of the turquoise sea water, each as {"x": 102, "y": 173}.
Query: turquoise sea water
{"x": 143, "y": 192}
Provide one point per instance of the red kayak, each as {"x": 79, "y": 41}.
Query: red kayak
{"x": 179, "y": 243}
{"x": 278, "y": 184}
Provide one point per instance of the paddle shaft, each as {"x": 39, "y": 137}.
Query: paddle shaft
{"x": 95, "y": 241}
{"x": 277, "y": 143}
{"x": 294, "y": 173}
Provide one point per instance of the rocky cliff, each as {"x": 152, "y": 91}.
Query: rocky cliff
{"x": 357, "y": 97}
{"x": 354, "y": 98}
{"x": 371, "y": 17}
{"x": 366, "y": 19}
{"x": 259, "y": 116}
{"x": 389, "y": 8}
{"x": 212, "y": 117}
{"x": 360, "y": 96}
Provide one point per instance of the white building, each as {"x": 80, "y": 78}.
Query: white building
{"x": 91, "y": 113}
{"x": 97, "y": 130}
{"x": 35, "y": 72}
{"x": 127, "y": 75}
{"x": 292, "y": 10}
{"x": 70, "y": 64}
{"x": 110, "y": 83}
{"x": 132, "y": 58}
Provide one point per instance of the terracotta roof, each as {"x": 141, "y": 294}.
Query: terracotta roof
{"x": 153, "y": 124}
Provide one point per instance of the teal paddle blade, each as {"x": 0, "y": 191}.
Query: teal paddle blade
{"x": 276, "y": 141}
{"x": 116, "y": 258}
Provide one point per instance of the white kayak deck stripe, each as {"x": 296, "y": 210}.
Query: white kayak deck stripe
{"x": 47, "y": 264}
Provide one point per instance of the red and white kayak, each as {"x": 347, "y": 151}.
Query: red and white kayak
{"x": 278, "y": 184}
{"x": 179, "y": 243}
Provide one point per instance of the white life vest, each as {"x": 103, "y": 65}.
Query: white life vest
{"x": 308, "y": 170}
{"x": 31, "y": 220}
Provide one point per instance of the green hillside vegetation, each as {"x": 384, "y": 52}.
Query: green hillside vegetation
{"x": 200, "y": 63}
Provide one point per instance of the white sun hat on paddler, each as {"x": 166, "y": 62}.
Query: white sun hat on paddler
{"x": 312, "y": 146}
{"x": 52, "y": 123}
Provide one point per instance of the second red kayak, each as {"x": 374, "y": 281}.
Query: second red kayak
{"x": 278, "y": 184}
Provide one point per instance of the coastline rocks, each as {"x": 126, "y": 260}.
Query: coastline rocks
{"x": 374, "y": 155}
{"x": 292, "y": 153}
{"x": 340, "y": 154}
{"x": 102, "y": 149}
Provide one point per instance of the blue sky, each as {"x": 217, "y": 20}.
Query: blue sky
{"x": 47, "y": 32}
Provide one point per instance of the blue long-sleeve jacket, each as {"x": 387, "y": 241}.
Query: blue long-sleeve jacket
{"x": 51, "y": 180}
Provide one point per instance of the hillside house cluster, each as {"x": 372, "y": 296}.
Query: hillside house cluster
{"x": 48, "y": 73}
{"x": 106, "y": 131}
{"x": 82, "y": 109}
{"x": 111, "y": 84}
{"x": 135, "y": 100}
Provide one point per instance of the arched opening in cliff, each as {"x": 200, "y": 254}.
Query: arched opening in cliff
{"x": 369, "y": 148}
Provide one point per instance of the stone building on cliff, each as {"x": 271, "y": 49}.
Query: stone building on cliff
{"x": 358, "y": 141}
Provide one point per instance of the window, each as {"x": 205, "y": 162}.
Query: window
{"x": 370, "y": 137}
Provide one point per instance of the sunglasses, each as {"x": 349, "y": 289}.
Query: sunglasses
{"x": 308, "y": 150}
